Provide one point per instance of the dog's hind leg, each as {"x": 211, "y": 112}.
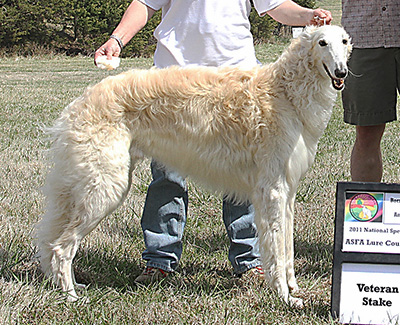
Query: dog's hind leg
{"x": 81, "y": 189}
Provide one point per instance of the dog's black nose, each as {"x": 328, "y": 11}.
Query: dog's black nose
{"x": 340, "y": 73}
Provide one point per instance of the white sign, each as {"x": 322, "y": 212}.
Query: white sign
{"x": 372, "y": 223}
{"x": 370, "y": 294}
{"x": 297, "y": 31}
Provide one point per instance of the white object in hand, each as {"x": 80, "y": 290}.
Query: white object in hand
{"x": 103, "y": 63}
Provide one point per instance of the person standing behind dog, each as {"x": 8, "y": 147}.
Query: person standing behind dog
{"x": 209, "y": 33}
{"x": 369, "y": 98}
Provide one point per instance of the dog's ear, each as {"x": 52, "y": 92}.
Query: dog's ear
{"x": 308, "y": 32}
{"x": 349, "y": 47}
{"x": 305, "y": 40}
{"x": 346, "y": 40}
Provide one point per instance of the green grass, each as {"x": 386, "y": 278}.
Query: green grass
{"x": 33, "y": 91}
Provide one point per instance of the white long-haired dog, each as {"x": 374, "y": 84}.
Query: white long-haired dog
{"x": 249, "y": 134}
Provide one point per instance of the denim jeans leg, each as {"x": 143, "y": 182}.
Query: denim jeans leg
{"x": 164, "y": 218}
{"x": 242, "y": 232}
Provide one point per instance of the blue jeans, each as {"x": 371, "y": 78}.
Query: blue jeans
{"x": 164, "y": 219}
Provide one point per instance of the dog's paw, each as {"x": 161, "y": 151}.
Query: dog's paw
{"x": 80, "y": 286}
{"x": 296, "y": 302}
{"x": 103, "y": 63}
{"x": 293, "y": 287}
{"x": 72, "y": 296}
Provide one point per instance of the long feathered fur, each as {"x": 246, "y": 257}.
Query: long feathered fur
{"x": 250, "y": 134}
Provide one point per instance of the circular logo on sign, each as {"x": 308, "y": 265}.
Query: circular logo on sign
{"x": 363, "y": 207}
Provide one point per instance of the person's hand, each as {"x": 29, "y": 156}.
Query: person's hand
{"x": 321, "y": 17}
{"x": 109, "y": 48}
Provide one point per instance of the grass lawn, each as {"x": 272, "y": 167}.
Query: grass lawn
{"x": 204, "y": 290}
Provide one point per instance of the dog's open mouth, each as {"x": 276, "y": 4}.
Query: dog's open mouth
{"x": 337, "y": 83}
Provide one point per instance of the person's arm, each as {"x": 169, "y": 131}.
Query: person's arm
{"x": 134, "y": 19}
{"x": 290, "y": 13}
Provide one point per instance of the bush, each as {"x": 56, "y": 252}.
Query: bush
{"x": 72, "y": 26}
{"x": 20, "y": 22}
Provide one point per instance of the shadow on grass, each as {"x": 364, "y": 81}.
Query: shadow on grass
{"x": 315, "y": 258}
{"x": 19, "y": 265}
{"x": 198, "y": 275}
{"x": 98, "y": 266}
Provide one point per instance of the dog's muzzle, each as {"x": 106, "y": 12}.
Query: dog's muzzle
{"x": 338, "y": 79}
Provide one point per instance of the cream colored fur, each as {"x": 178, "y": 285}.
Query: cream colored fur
{"x": 248, "y": 134}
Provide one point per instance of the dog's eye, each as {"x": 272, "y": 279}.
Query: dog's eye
{"x": 323, "y": 43}
{"x": 345, "y": 41}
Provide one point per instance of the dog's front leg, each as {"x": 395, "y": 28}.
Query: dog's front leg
{"x": 270, "y": 206}
{"x": 290, "y": 274}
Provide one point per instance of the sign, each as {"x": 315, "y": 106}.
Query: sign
{"x": 366, "y": 268}
{"x": 366, "y": 289}
{"x": 296, "y": 31}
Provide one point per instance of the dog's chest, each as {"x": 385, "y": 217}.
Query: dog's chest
{"x": 300, "y": 160}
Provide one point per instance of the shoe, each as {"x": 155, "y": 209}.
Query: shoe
{"x": 256, "y": 275}
{"x": 151, "y": 275}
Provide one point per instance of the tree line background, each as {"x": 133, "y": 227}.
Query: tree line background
{"x": 81, "y": 26}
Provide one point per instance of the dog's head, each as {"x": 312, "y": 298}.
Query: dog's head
{"x": 331, "y": 48}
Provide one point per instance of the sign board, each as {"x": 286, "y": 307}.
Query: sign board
{"x": 366, "y": 266}
{"x": 296, "y": 31}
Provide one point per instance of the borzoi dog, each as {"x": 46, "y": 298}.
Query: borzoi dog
{"x": 249, "y": 134}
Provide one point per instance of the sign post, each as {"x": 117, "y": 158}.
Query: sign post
{"x": 366, "y": 263}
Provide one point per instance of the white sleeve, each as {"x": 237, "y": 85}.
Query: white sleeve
{"x": 155, "y": 4}
{"x": 262, "y": 6}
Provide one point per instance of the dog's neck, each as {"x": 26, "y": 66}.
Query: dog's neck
{"x": 304, "y": 86}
